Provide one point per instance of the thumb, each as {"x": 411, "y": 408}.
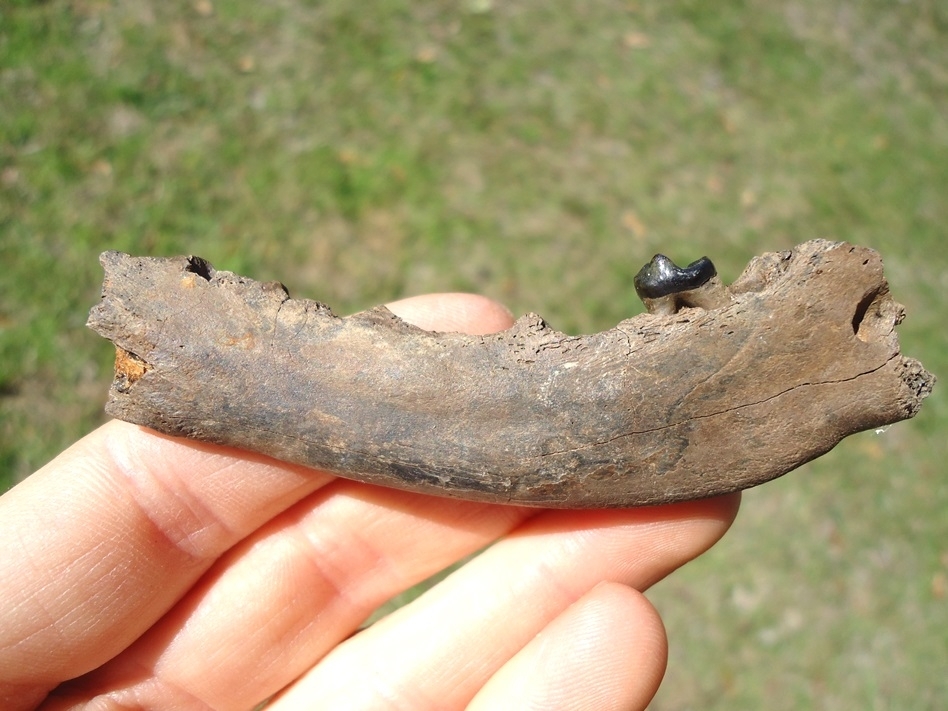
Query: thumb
{"x": 464, "y": 313}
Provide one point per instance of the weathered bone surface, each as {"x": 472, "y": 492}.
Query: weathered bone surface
{"x": 740, "y": 386}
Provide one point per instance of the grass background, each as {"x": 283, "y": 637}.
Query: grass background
{"x": 538, "y": 153}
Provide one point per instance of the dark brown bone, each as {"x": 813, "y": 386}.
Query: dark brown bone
{"x": 795, "y": 355}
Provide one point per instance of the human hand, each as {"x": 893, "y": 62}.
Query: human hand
{"x": 164, "y": 573}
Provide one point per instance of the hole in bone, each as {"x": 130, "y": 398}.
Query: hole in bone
{"x": 869, "y": 319}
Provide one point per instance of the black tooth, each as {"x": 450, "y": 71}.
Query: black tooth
{"x": 661, "y": 277}
{"x": 200, "y": 266}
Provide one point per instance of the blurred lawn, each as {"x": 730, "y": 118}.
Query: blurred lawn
{"x": 538, "y": 153}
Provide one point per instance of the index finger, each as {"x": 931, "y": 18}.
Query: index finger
{"x": 106, "y": 537}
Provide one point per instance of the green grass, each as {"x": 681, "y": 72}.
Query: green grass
{"x": 539, "y": 154}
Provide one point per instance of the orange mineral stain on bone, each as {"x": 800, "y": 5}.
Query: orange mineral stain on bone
{"x": 129, "y": 368}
